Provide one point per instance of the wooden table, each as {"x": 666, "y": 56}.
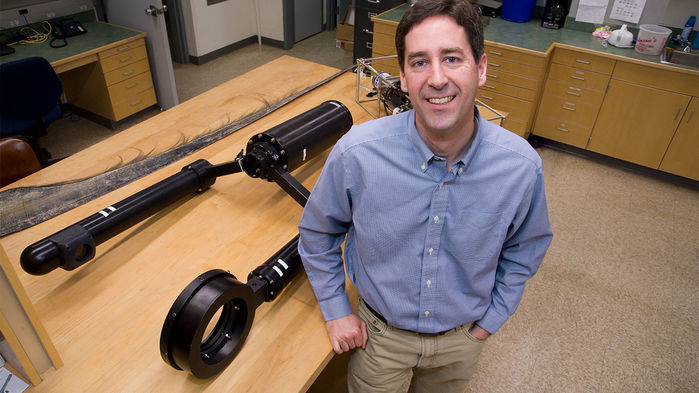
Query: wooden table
{"x": 105, "y": 318}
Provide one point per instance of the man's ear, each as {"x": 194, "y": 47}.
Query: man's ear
{"x": 482, "y": 70}
{"x": 403, "y": 83}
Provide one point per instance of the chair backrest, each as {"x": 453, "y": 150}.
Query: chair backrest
{"x": 17, "y": 160}
{"x": 29, "y": 88}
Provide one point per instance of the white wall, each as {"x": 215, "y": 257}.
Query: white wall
{"x": 271, "y": 19}
{"x": 213, "y": 27}
{"x": 673, "y": 13}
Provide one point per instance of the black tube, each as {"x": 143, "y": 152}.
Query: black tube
{"x": 75, "y": 245}
{"x": 277, "y": 271}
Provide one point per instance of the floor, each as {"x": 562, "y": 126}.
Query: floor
{"x": 614, "y": 306}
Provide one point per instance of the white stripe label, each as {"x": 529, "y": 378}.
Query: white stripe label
{"x": 107, "y": 213}
{"x": 281, "y": 262}
{"x": 278, "y": 270}
{"x": 104, "y": 213}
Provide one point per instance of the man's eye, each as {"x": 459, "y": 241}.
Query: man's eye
{"x": 452, "y": 59}
{"x": 419, "y": 63}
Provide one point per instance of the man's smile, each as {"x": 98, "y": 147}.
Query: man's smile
{"x": 440, "y": 100}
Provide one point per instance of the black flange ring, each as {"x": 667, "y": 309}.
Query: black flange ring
{"x": 182, "y": 342}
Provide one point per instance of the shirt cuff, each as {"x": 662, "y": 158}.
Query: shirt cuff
{"x": 336, "y": 307}
{"x": 491, "y": 321}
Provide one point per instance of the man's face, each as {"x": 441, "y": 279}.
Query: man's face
{"x": 441, "y": 75}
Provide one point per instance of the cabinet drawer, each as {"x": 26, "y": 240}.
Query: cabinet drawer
{"x": 519, "y": 127}
{"x": 386, "y": 65}
{"x": 125, "y": 89}
{"x": 382, "y": 47}
{"x": 514, "y": 68}
{"x": 579, "y": 94}
{"x": 569, "y": 110}
{"x": 583, "y": 61}
{"x": 511, "y": 79}
{"x": 379, "y": 4}
{"x": 496, "y": 53}
{"x": 121, "y": 49}
{"x": 562, "y": 131}
{"x": 125, "y": 58}
{"x": 126, "y": 72}
{"x": 662, "y": 79}
{"x": 579, "y": 78}
{"x": 381, "y": 27}
{"x": 493, "y": 85}
{"x": 134, "y": 104}
{"x": 517, "y": 109}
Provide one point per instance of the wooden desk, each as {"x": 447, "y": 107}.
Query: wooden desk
{"x": 104, "y": 72}
{"x": 105, "y": 318}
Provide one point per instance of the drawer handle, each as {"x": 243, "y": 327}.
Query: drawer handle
{"x": 373, "y": 1}
{"x": 136, "y": 102}
{"x": 495, "y": 53}
{"x": 678, "y": 114}
{"x": 494, "y": 64}
{"x": 573, "y": 94}
{"x": 489, "y": 87}
{"x": 569, "y": 103}
{"x": 491, "y": 76}
{"x": 574, "y": 88}
{"x": 127, "y": 73}
{"x": 568, "y": 109}
{"x": 369, "y": 45}
{"x": 131, "y": 86}
{"x": 582, "y": 61}
{"x": 487, "y": 98}
{"x": 371, "y": 14}
{"x": 562, "y": 129}
{"x": 123, "y": 48}
{"x": 690, "y": 114}
{"x": 368, "y": 31}
{"x": 577, "y": 77}
{"x": 125, "y": 59}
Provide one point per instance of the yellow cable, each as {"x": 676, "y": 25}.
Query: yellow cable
{"x": 33, "y": 36}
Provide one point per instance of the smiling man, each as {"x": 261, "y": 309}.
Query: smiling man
{"x": 443, "y": 215}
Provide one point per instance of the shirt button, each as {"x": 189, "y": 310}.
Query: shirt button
{"x": 429, "y": 283}
{"x": 427, "y": 313}
{"x": 440, "y": 185}
{"x": 431, "y": 250}
{"x": 436, "y": 218}
{"x": 461, "y": 170}
{"x": 422, "y": 167}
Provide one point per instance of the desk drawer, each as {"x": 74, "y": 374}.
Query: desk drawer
{"x": 583, "y": 61}
{"x": 130, "y": 87}
{"x": 121, "y": 49}
{"x": 517, "y": 109}
{"x": 496, "y": 54}
{"x": 510, "y": 90}
{"x": 511, "y": 79}
{"x": 562, "y": 131}
{"x": 579, "y": 78}
{"x": 134, "y": 104}
{"x": 123, "y": 73}
{"x": 125, "y": 58}
{"x": 579, "y": 94}
{"x": 514, "y": 68}
{"x": 570, "y": 110}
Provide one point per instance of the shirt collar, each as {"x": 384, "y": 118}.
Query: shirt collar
{"x": 424, "y": 153}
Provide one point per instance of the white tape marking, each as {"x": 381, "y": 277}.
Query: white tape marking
{"x": 281, "y": 262}
{"x": 104, "y": 213}
{"x": 304, "y": 155}
{"x": 278, "y": 270}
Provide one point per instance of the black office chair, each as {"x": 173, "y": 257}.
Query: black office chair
{"x": 29, "y": 101}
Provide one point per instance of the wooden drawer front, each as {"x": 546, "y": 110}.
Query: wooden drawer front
{"x": 388, "y": 29}
{"x": 134, "y": 104}
{"x": 517, "y": 126}
{"x": 658, "y": 78}
{"x": 380, "y": 48}
{"x": 569, "y": 110}
{"x": 123, "y": 73}
{"x": 128, "y": 88}
{"x": 121, "y": 49}
{"x": 511, "y": 79}
{"x": 496, "y": 54}
{"x": 583, "y": 61}
{"x": 517, "y": 109}
{"x": 562, "y": 131}
{"x": 387, "y": 65}
{"x": 125, "y": 58}
{"x": 514, "y": 68}
{"x": 493, "y": 85}
{"x": 579, "y": 94}
{"x": 579, "y": 78}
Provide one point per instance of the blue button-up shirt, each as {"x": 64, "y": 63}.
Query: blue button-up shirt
{"x": 428, "y": 247}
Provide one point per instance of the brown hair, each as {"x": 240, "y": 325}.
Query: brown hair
{"x": 461, "y": 11}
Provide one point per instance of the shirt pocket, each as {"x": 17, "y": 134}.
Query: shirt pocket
{"x": 476, "y": 236}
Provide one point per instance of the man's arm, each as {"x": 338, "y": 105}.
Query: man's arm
{"x": 324, "y": 224}
{"x": 528, "y": 239}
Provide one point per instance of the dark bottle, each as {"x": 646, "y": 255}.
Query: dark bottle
{"x": 555, "y": 12}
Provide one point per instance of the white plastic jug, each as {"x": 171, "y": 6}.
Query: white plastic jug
{"x": 621, "y": 38}
{"x": 652, "y": 39}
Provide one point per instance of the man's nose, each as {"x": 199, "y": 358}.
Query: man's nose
{"x": 438, "y": 78}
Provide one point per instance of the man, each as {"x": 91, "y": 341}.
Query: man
{"x": 444, "y": 216}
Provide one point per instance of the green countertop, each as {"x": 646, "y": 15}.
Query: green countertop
{"x": 98, "y": 34}
{"x": 532, "y": 36}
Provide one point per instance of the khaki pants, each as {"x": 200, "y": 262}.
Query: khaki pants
{"x": 439, "y": 363}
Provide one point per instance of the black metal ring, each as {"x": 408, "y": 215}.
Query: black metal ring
{"x": 182, "y": 342}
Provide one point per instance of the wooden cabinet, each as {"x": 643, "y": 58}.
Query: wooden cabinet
{"x": 572, "y": 97}
{"x": 364, "y": 26}
{"x": 384, "y": 44}
{"x": 641, "y": 113}
{"x": 514, "y": 78}
{"x": 118, "y": 85}
{"x": 682, "y": 156}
